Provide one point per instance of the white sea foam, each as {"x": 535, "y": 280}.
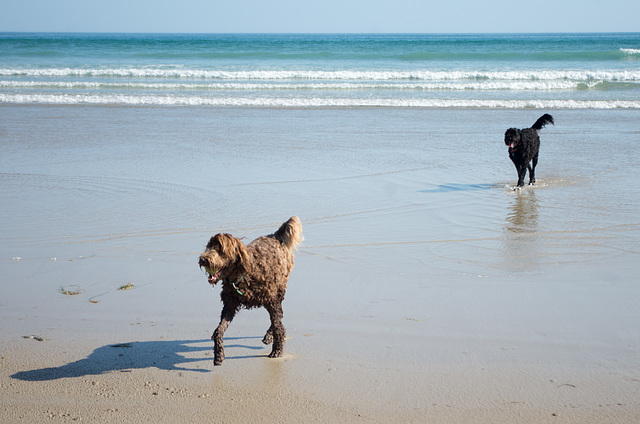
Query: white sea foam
{"x": 630, "y": 51}
{"x": 317, "y": 88}
{"x": 431, "y": 86}
{"x": 344, "y": 75}
{"x": 167, "y": 100}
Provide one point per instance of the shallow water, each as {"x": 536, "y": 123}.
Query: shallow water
{"x": 91, "y": 174}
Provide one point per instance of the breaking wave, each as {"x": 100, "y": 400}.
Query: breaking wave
{"x": 342, "y": 75}
{"x": 167, "y": 100}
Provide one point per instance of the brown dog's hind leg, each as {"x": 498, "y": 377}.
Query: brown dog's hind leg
{"x": 268, "y": 337}
{"x": 228, "y": 312}
{"x": 277, "y": 330}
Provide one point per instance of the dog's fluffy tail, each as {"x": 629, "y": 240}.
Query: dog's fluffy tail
{"x": 542, "y": 121}
{"x": 290, "y": 233}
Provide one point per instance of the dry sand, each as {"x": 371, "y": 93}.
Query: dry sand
{"x": 140, "y": 382}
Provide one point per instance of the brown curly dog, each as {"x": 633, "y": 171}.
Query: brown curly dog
{"x": 252, "y": 276}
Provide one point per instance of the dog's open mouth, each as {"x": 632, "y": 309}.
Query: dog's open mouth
{"x": 214, "y": 276}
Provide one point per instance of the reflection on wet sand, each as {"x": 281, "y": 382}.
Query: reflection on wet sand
{"x": 523, "y": 213}
{"x": 521, "y": 244}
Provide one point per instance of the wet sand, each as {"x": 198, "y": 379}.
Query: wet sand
{"x": 426, "y": 289}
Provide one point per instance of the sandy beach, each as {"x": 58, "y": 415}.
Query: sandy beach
{"x": 426, "y": 290}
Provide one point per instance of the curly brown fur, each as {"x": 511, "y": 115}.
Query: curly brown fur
{"x": 524, "y": 146}
{"x": 252, "y": 276}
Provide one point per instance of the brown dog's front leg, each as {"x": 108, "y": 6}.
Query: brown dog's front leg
{"x": 218, "y": 347}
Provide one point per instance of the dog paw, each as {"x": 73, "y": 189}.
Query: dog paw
{"x": 275, "y": 354}
{"x": 268, "y": 339}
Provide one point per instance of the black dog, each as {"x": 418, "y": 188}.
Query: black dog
{"x": 524, "y": 146}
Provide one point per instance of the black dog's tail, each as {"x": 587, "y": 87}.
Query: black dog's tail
{"x": 542, "y": 121}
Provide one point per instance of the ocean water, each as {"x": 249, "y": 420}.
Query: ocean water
{"x": 544, "y": 71}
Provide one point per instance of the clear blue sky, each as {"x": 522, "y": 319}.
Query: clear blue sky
{"x": 421, "y": 16}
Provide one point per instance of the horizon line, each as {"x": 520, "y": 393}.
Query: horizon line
{"x": 321, "y": 33}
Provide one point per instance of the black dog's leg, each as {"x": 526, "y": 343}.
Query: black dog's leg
{"x": 522, "y": 171}
{"x": 228, "y": 312}
{"x": 532, "y": 171}
{"x": 277, "y": 329}
{"x": 268, "y": 337}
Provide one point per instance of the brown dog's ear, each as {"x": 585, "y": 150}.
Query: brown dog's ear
{"x": 212, "y": 242}
{"x": 234, "y": 250}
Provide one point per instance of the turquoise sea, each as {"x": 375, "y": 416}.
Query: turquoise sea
{"x": 511, "y": 71}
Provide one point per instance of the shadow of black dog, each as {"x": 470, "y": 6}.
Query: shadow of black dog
{"x": 447, "y": 188}
{"x": 122, "y": 357}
